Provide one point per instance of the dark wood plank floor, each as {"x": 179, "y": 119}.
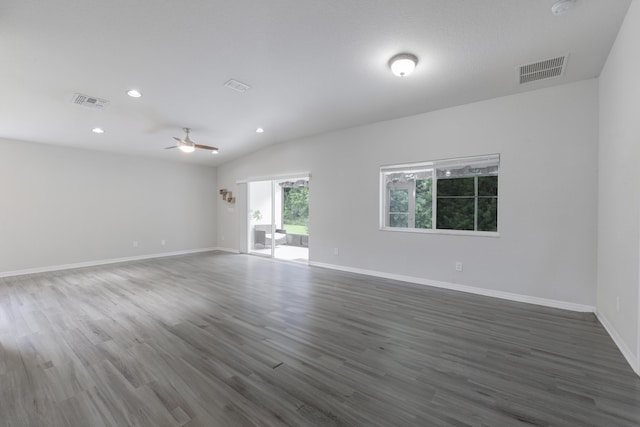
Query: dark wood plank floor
{"x": 218, "y": 339}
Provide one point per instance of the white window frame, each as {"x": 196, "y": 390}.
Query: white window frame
{"x": 411, "y": 208}
{"x": 432, "y": 167}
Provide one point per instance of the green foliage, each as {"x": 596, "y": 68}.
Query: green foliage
{"x": 455, "y": 213}
{"x": 457, "y": 199}
{"x": 399, "y": 201}
{"x": 399, "y": 208}
{"x": 463, "y": 203}
{"x": 487, "y": 203}
{"x": 487, "y": 214}
{"x": 296, "y": 206}
{"x": 297, "y": 229}
{"x": 399, "y": 220}
{"x": 256, "y": 215}
{"x": 424, "y": 205}
{"x": 399, "y": 205}
{"x": 488, "y": 186}
{"x": 456, "y": 187}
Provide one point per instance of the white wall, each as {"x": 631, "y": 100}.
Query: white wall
{"x": 619, "y": 186}
{"x": 65, "y": 206}
{"x": 547, "y": 204}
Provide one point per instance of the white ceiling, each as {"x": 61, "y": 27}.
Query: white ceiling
{"x": 313, "y": 66}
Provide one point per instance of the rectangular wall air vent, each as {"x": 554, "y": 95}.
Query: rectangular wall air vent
{"x": 89, "y": 101}
{"x": 237, "y": 86}
{"x": 541, "y": 70}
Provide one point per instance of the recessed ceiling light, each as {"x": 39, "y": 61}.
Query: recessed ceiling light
{"x": 134, "y": 93}
{"x": 561, "y": 7}
{"x": 97, "y": 130}
{"x": 403, "y": 64}
{"x": 259, "y": 130}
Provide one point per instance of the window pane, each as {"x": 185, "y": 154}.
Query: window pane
{"x": 455, "y": 214}
{"x": 487, "y": 186}
{"x": 295, "y": 209}
{"x": 456, "y": 187}
{"x": 488, "y": 214}
{"x": 466, "y": 189}
{"x": 424, "y": 197}
{"x": 398, "y": 200}
{"x": 399, "y": 220}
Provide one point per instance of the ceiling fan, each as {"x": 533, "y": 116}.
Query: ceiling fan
{"x": 188, "y": 146}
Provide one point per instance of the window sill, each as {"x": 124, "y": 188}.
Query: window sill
{"x": 493, "y": 234}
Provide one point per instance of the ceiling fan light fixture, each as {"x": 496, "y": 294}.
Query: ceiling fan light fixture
{"x": 186, "y": 145}
{"x": 403, "y": 64}
{"x": 185, "y": 148}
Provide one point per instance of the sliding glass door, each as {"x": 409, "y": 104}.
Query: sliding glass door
{"x": 278, "y": 218}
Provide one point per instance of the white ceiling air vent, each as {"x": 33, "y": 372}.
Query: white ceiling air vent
{"x": 541, "y": 70}
{"x": 237, "y": 86}
{"x": 89, "y": 101}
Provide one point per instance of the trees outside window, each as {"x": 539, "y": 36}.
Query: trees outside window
{"x": 424, "y": 203}
{"x": 399, "y": 207}
{"x": 295, "y": 210}
{"x": 468, "y": 203}
{"x": 454, "y": 194}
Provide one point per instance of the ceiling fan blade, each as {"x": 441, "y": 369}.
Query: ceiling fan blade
{"x": 206, "y": 147}
{"x": 177, "y": 139}
{"x": 173, "y": 146}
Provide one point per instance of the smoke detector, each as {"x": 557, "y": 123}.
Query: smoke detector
{"x": 561, "y": 7}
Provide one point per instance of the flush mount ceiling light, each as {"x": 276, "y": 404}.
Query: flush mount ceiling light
{"x": 97, "y": 130}
{"x": 561, "y": 7}
{"x": 259, "y": 130}
{"x": 134, "y": 93}
{"x": 403, "y": 64}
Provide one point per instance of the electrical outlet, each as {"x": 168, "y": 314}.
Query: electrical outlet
{"x": 458, "y": 266}
{"x": 135, "y": 243}
{"x": 163, "y": 242}
{"x": 335, "y": 251}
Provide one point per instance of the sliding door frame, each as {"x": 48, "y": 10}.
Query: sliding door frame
{"x": 245, "y": 210}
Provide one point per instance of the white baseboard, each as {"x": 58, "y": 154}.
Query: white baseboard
{"x": 624, "y": 348}
{"x": 464, "y": 288}
{"x": 102, "y": 262}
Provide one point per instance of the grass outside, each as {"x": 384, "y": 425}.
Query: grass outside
{"x": 297, "y": 229}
